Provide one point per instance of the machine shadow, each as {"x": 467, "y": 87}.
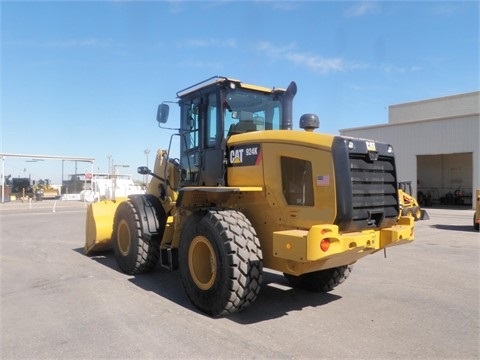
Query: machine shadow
{"x": 106, "y": 257}
{"x": 464, "y": 228}
{"x": 276, "y": 298}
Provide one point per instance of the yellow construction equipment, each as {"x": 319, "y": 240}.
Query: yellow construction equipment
{"x": 248, "y": 192}
{"x": 44, "y": 190}
{"x": 408, "y": 204}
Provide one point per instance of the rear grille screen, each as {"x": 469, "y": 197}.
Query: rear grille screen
{"x": 373, "y": 187}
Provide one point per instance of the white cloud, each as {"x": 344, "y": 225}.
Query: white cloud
{"x": 315, "y": 63}
{"x": 273, "y": 50}
{"x": 325, "y": 65}
{"x": 361, "y": 9}
{"x": 229, "y": 43}
{"x": 444, "y": 9}
{"x": 393, "y": 69}
{"x": 176, "y": 6}
{"x": 285, "y": 5}
{"x": 91, "y": 43}
{"x": 65, "y": 43}
{"x": 199, "y": 64}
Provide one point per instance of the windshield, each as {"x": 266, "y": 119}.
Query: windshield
{"x": 261, "y": 111}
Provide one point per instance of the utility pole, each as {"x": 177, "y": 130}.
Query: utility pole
{"x": 109, "y": 157}
{"x": 115, "y": 177}
{"x": 145, "y": 177}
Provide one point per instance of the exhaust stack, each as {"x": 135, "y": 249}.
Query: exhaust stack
{"x": 287, "y": 118}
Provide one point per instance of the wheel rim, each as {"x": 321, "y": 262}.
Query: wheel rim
{"x": 123, "y": 238}
{"x": 202, "y": 262}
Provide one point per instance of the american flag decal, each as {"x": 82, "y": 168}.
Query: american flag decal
{"x": 323, "y": 180}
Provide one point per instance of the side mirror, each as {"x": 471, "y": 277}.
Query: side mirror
{"x": 143, "y": 170}
{"x": 162, "y": 113}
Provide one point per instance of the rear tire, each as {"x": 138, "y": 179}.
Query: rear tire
{"x": 135, "y": 254}
{"x": 220, "y": 261}
{"x": 320, "y": 281}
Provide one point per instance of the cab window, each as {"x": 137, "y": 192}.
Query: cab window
{"x": 211, "y": 123}
{"x": 297, "y": 181}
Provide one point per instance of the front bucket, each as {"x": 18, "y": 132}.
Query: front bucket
{"x": 99, "y": 225}
{"x": 425, "y": 215}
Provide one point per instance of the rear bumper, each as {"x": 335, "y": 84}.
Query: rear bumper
{"x": 304, "y": 246}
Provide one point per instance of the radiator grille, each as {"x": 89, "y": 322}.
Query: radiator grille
{"x": 374, "y": 188}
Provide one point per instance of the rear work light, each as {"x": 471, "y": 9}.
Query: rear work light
{"x": 324, "y": 245}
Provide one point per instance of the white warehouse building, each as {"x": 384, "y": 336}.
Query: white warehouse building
{"x": 436, "y": 144}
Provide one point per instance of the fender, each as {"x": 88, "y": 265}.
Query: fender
{"x": 152, "y": 215}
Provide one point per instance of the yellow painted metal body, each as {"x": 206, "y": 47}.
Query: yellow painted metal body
{"x": 100, "y": 216}
{"x": 408, "y": 204}
{"x": 51, "y": 193}
{"x": 302, "y": 251}
{"x": 99, "y": 224}
{"x": 290, "y": 235}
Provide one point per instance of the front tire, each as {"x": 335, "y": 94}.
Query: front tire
{"x": 135, "y": 254}
{"x": 220, "y": 261}
{"x": 321, "y": 281}
{"x": 417, "y": 213}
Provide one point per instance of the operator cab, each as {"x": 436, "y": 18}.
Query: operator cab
{"x": 214, "y": 110}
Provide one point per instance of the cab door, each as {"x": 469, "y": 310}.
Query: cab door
{"x": 202, "y": 158}
{"x": 213, "y": 155}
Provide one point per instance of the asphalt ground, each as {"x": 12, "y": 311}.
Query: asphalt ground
{"x": 420, "y": 302}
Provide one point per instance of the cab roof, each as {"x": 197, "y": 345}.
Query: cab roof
{"x": 222, "y": 79}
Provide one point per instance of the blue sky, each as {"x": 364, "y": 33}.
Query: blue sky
{"x": 85, "y": 78}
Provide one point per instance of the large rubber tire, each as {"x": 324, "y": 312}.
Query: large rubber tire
{"x": 220, "y": 261}
{"x": 135, "y": 254}
{"x": 321, "y": 281}
{"x": 413, "y": 211}
{"x": 417, "y": 213}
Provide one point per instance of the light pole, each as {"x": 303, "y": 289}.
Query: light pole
{"x": 147, "y": 151}
{"x": 109, "y": 169}
{"x": 3, "y": 179}
{"x": 115, "y": 167}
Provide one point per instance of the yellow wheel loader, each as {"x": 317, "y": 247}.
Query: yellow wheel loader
{"x": 44, "y": 190}
{"x": 408, "y": 204}
{"x": 248, "y": 192}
